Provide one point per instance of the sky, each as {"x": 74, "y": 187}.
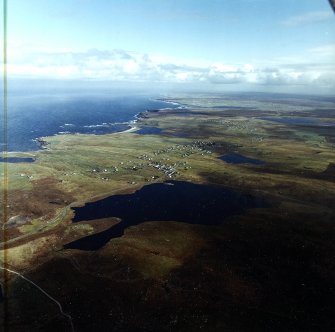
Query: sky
{"x": 261, "y": 45}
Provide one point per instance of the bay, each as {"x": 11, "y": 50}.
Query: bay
{"x": 37, "y": 114}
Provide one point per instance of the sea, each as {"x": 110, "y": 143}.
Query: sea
{"x": 37, "y": 113}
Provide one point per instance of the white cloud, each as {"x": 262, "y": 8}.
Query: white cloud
{"x": 297, "y": 74}
{"x": 223, "y": 68}
{"x": 248, "y": 68}
{"x": 308, "y": 18}
{"x": 324, "y": 51}
{"x": 121, "y": 65}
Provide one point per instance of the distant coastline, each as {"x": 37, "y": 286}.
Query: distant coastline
{"x": 80, "y": 115}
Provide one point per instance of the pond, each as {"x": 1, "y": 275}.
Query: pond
{"x": 149, "y": 131}
{"x": 172, "y": 201}
{"x": 300, "y": 121}
{"x": 235, "y": 158}
{"x": 16, "y": 160}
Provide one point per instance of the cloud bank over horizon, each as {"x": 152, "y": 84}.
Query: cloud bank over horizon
{"x": 245, "y": 44}
{"x": 122, "y": 65}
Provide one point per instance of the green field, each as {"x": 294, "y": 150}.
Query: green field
{"x": 271, "y": 268}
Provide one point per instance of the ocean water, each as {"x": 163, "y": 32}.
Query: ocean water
{"x": 36, "y": 114}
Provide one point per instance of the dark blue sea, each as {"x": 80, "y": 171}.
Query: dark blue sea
{"x": 37, "y": 113}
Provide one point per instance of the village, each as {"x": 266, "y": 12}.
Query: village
{"x": 160, "y": 166}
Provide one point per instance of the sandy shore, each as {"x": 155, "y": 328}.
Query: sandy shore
{"x": 131, "y": 129}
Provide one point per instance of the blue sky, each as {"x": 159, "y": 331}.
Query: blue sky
{"x": 244, "y": 44}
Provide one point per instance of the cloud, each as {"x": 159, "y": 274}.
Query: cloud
{"x": 121, "y": 65}
{"x": 97, "y": 64}
{"x": 220, "y": 73}
{"x": 289, "y": 74}
{"x": 324, "y": 51}
{"x": 308, "y": 18}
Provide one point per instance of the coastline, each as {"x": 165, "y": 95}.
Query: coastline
{"x": 132, "y": 124}
{"x": 84, "y": 169}
{"x": 132, "y": 127}
{"x": 130, "y": 130}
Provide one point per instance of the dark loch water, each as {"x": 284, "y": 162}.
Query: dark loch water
{"x": 149, "y": 131}
{"x": 173, "y": 201}
{"x": 235, "y": 158}
{"x": 16, "y": 160}
{"x": 299, "y": 121}
{"x": 34, "y": 114}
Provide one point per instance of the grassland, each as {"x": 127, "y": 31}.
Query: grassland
{"x": 269, "y": 268}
